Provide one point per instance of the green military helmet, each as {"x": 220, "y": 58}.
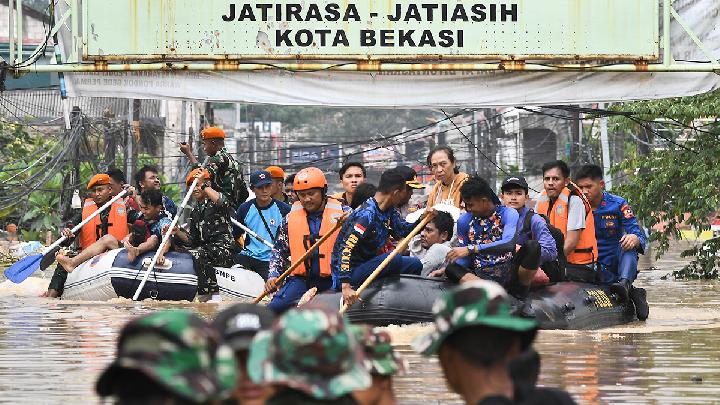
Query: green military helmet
{"x": 380, "y": 357}
{"x": 311, "y": 349}
{"x": 179, "y": 351}
{"x": 481, "y": 302}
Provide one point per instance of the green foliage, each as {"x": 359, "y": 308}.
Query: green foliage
{"x": 678, "y": 186}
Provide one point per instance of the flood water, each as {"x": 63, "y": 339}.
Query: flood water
{"x": 51, "y": 351}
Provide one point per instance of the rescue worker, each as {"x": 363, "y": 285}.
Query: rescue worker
{"x": 225, "y": 172}
{"x": 314, "y": 215}
{"x": 237, "y": 326}
{"x": 433, "y": 243}
{"x": 155, "y": 221}
{"x": 569, "y": 211}
{"x": 352, "y": 174}
{"x": 476, "y": 340}
{"x": 209, "y": 239}
{"x": 103, "y": 232}
{"x": 448, "y": 178}
{"x": 311, "y": 356}
{"x": 168, "y": 357}
{"x": 532, "y": 229}
{"x": 486, "y": 239}
{"x": 147, "y": 178}
{"x": 355, "y": 255}
{"x": 278, "y": 183}
{"x": 382, "y": 362}
{"x": 619, "y": 238}
{"x": 362, "y": 193}
{"x": 117, "y": 185}
{"x": 264, "y": 214}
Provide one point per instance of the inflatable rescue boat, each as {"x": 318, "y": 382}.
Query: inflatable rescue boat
{"x": 409, "y": 299}
{"x": 110, "y": 275}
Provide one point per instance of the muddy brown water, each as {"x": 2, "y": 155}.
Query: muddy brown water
{"x": 51, "y": 351}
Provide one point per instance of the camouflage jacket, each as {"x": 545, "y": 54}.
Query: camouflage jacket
{"x": 226, "y": 177}
{"x": 210, "y": 223}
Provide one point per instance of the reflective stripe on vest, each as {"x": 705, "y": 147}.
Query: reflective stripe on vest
{"x": 299, "y": 235}
{"x": 586, "y": 250}
{"x": 117, "y": 223}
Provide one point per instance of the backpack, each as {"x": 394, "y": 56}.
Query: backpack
{"x": 555, "y": 269}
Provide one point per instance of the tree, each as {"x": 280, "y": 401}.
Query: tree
{"x": 678, "y": 184}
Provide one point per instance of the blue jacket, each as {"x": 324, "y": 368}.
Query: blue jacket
{"x": 248, "y": 214}
{"x": 362, "y": 235}
{"x": 539, "y": 232}
{"x": 494, "y": 237}
{"x": 613, "y": 219}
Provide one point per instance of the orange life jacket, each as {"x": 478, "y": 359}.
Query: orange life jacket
{"x": 299, "y": 235}
{"x": 586, "y": 251}
{"x": 92, "y": 231}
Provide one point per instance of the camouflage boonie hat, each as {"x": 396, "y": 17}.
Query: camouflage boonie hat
{"x": 380, "y": 357}
{"x": 474, "y": 303}
{"x": 311, "y": 349}
{"x": 179, "y": 351}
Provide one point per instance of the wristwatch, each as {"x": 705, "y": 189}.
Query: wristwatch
{"x": 204, "y": 186}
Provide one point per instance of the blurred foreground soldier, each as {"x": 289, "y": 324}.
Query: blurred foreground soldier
{"x": 168, "y": 357}
{"x": 225, "y": 172}
{"x": 237, "y": 326}
{"x": 382, "y": 362}
{"x": 209, "y": 239}
{"x": 476, "y": 339}
{"x": 311, "y": 356}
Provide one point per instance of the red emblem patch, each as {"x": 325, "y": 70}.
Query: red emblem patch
{"x": 627, "y": 211}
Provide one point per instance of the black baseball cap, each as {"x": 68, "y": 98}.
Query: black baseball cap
{"x": 239, "y": 323}
{"x": 514, "y": 181}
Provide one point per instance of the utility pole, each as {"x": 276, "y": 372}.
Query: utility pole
{"x": 109, "y": 141}
{"x": 575, "y": 124}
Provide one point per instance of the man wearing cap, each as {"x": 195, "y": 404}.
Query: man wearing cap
{"x": 533, "y": 235}
{"x": 105, "y": 231}
{"x": 263, "y": 214}
{"x": 382, "y": 362}
{"x": 476, "y": 338}
{"x": 225, "y": 171}
{"x": 278, "y": 180}
{"x": 314, "y": 215}
{"x": 169, "y": 357}
{"x": 486, "y": 237}
{"x": 355, "y": 255}
{"x": 209, "y": 239}
{"x": 237, "y": 326}
{"x": 310, "y": 356}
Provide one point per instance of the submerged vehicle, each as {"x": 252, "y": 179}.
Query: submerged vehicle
{"x": 409, "y": 299}
{"x": 110, "y": 275}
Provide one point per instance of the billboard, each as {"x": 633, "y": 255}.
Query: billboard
{"x": 370, "y": 29}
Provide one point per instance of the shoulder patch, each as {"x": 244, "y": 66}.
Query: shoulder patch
{"x": 121, "y": 210}
{"x": 627, "y": 211}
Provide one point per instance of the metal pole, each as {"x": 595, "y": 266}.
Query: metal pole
{"x": 129, "y": 138}
{"x": 605, "y": 149}
{"x": 20, "y": 33}
{"x": 667, "y": 55}
{"x": 11, "y": 30}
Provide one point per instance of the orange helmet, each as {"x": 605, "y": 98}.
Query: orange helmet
{"x": 309, "y": 177}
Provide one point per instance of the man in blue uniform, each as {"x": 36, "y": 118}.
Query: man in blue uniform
{"x": 619, "y": 238}
{"x": 355, "y": 255}
{"x": 263, "y": 214}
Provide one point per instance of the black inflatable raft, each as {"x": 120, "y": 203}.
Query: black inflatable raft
{"x": 409, "y": 299}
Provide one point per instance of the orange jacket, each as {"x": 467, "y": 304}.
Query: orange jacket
{"x": 92, "y": 231}
{"x": 299, "y": 232}
{"x": 586, "y": 251}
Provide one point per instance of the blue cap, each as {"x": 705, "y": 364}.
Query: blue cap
{"x": 260, "y": 178}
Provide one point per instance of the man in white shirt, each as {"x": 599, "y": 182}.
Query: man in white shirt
{"x": 433, "y": 243}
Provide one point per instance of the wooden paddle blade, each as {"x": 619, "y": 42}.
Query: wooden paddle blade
{"x": 22, "y": 269}
{"x": 48, "y": 258}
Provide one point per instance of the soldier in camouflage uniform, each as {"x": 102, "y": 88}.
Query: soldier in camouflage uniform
{"x": 225, "y": 172}
{"x": 169, "y": 357}
{"x": 209, "y": 240}
{"x": 476, "y": 338}
{"x": 312, "y": 356}
{"x": 382, "y": 362}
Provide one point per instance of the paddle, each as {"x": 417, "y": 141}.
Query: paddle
{"x": 167, "y": 235}
{"x": 400, "y": 247}
{"x": 250, "y": 232}
{"x": 301, "y": 259}
{"x": 21, "y": 270}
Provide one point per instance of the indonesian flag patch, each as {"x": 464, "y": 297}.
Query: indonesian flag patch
{"x": 359, "y": 229}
